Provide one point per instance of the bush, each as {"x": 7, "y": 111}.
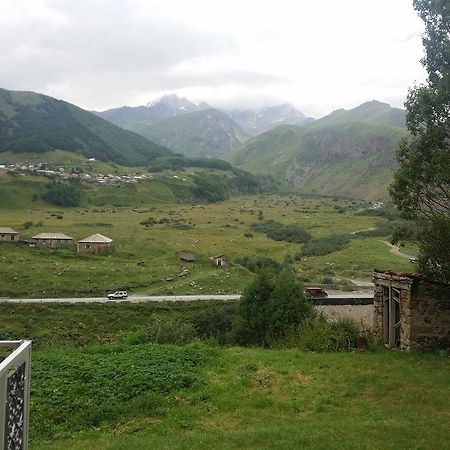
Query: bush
{"x": 254, "y": 263}
{"x": 280, "y": 232}
{"x": 270, "y": 308}
{"x": 163, "y": 331}
{"x": 317, "y": 334}
{"x": 62, "y": 194}
{"x": 326, "y": 245}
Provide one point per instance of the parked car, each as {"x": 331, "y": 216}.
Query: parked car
{"x": 316, "y": 292}
{"x": 118, "y": 294}
{"x": 413, "y": 259}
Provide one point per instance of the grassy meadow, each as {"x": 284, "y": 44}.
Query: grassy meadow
{"x": 172, "y": 397}
{"x": 150, "y": 227}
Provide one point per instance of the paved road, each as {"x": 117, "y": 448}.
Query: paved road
{"x": 169, "y": 298}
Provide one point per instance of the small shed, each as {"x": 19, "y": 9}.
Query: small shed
{"x": 187, "y": 257}
{"x": 411, "y": 311}
{"x": 7, "y": 234}
{"x": 220, "y": 260}
{"x": 97, "y": 243}
{"x": 53, "y": 240}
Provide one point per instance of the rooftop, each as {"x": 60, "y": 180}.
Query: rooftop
{"x": 96, "y": 238}
{"x": 7, "y": 230}
{"x": 52, "y": 236}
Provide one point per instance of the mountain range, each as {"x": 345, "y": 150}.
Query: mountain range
{"x": 31, "y": 122}
{"x": 348, "y": 152}
{"x": 200, "y": 130}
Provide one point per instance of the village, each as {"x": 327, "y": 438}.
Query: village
{"x": 44, "y": 169}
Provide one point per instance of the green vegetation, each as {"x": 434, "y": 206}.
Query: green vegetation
{"x": 280, "y": 232}
{"x": 326, "y": 245}
{"x": 191, "y": 397}
{"x": 421, "y": 187}
{"x": 62, "y": 194}
{"x": 146, "y": 256}
{"x": 355, "y": 149}
{"x": 34, "y": 123}
{"x": 271, "y": 307}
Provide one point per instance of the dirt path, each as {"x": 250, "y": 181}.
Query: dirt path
{"x": 361, "y": 231}
{"x": 396, "y": 251}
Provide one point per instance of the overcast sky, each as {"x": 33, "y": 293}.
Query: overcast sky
{"x": 318, "y": 55}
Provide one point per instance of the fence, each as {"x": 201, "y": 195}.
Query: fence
{"x": 15, "y": 372}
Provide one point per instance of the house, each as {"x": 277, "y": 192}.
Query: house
{"x": 220, "y": 260}
{"x": 187, "y": 257}
{"x": 411, "y": 311}
{"x": 8, "y": 234}
{"x": 97, "y": 243}
{"x": 52, "y": 240}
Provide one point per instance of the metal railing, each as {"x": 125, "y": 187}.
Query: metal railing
{"x": 15, "y": 372}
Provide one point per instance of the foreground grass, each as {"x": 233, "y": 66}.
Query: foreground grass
{"x": 237, "y": 398}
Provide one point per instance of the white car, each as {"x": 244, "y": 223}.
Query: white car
{"x": 118, "y": 294}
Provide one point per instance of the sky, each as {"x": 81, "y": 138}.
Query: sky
{"x": 317, "y": 55}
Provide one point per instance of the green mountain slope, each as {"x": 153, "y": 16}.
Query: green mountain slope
{"x": 209, "y": 133}
{"x": 333, "y": 156}
{"x": 31, "y": 122}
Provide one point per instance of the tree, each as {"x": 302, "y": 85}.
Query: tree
{"x": 271, "y": 306}
{"x": 421, "y": 186}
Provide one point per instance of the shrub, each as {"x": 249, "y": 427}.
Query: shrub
{"x": 326, "y": 245}
{"x": 254, "y": 263}
{"x": 271, "y": 306}
{"x": 280, "y": 232}
{"x": 317, "y": 334}
{"x": 62, "y": 194}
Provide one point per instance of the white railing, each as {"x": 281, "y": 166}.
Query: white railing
{"x": 15, "y": 372}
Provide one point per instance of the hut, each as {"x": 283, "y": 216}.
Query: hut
{"x": 187, "y": 257}
{"x": 411, "y": 311}
{"x": 8, "y": 234}
{"x": 220, "y": 260}
{"x": 53, "y": 240}
{"x": 97, "y": 244}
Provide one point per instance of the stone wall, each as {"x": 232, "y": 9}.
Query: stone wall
{"x": 424, "y": 310}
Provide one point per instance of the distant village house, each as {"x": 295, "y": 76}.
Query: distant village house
{"x": 220, "y": 260}
{"x": 187, "y": 257}
{"x": 53, "y": 240}
{"x": 411, "y": 311}
{"x": 8, "y": 234}
{"x": 97, "y": 244}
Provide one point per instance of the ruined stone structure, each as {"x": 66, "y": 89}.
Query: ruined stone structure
{"x": 411, "y": 311}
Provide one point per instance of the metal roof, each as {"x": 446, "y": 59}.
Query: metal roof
{"x": 96, "y": 239}
{"x": 7, "y": 230}
{"x": 52, "y": 236}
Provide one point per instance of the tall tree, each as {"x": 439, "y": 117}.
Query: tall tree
{"x": 421, "y": 187}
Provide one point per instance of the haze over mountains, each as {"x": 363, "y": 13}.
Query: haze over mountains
{"x": 209, "y": 132}
{"x": 348, "y": 152}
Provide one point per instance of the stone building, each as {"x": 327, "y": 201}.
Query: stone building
{"x": 8, "y": 234}
{"x": 411, "y": 311}
{"x": 53, "y": 240}
{"x": 219, "y": 260}
{"x": 97, "y": 243}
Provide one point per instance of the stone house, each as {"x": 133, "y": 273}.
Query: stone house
{"x": 97, "y": 243}
{"x": 411, "y": 311}
{"x": 220, "y": 260}
{"x": 8, "y": 234}
{"x": 53, "y": 240}
{"x": 187, "y": 257}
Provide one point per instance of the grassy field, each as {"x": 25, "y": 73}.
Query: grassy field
{"x": 146, "y": 256}
{"x": 168, "y": 397}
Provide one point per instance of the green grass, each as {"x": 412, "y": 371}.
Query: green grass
{"x": 194, "y": 397}
{"x": 146, "y": 256}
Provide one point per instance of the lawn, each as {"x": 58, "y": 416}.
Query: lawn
{"x": 169, "y": 397}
